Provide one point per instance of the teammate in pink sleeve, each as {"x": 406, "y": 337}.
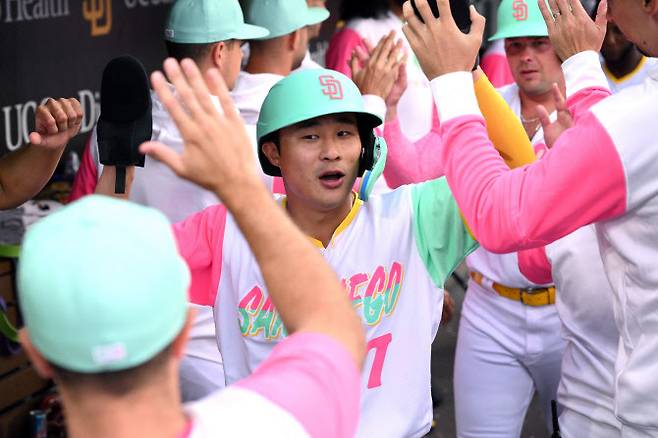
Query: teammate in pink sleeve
{"x": 118, "y": 374}
{"x": 601, "y": 171}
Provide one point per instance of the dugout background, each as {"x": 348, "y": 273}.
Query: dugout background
{"x": 59, "y": 48}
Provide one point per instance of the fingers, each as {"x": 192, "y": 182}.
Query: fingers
{"x": 445, "y": 13}
{"x": 79, "y": 114}
{"x": 478, "y": 23}
{"x": 44, "y": 121}
{"x": 544, "y": 117}
{"x": 548, "y": 16}
{"x": 164, "y": 154}
{"x": 170, "y": 102}
{"x": 219, "y": 88}
{"x": 35, "y": 138}
{"x": 175, "y": 75}
{"x": 425, "y": 11}
{"x": 59, "y": 114}
{"x": 361, "y": 54}
{"x": 369, "y": 47}
{"x": 560, "y": 101}
{"x": 195, "y": 80}
{"x": 355, "y": 65}
{"x": 602, "y": 15}
{"x": 413, "y": 26}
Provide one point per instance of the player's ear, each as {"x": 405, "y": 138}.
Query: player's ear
{"x": 217, "y": 54}
{"x": 39, "y": 362}
{"x": 271, "y": 151}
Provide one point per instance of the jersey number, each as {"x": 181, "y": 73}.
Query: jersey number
{"x": 380, "y": 345}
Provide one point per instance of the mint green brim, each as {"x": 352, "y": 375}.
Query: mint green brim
{"x": 309, "y": 18}
{"x": 250, "y": 32}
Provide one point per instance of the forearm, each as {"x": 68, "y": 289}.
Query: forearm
{"x": 107, "y": 182}
{"x": 535, "y": 205}
{"x": 410, "y": 162}
{"x": 303, "y": 288}
{"x": 586, "y": 83}
{"x": 25, "y": 172}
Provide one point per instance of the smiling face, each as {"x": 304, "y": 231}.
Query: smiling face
{"x": 534, "y": 64}
{"x": 319, "y": 160}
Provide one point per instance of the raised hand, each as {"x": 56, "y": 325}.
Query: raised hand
{"x": 56, "y": 123}
{"x": 376, "y": 71}
{"x": 218, "y": 153}
{"x": 553, "y": 130}
{"x": 570, "y": 28}
{"x": 438, "y": 43}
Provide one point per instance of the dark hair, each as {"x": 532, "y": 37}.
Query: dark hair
{"x": 114, "y": 383}
{"x": 196, "y": 52}
{"x": 365, "y": 8}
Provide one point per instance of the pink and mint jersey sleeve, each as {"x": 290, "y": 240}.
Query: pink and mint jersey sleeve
{"x": 315, "y": 379}
{"x": 200, "y": 240}
{"x": 442, "y": 238}
{"x": 581, "y": 180}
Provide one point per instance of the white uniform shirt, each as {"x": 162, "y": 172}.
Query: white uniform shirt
{"x": 636, "y": 77}
{"x": 391, "y": 254}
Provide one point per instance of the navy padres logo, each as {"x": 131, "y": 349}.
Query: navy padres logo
{"x": 331, "y": 87}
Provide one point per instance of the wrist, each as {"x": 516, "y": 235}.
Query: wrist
{"x": 241, "y": 192}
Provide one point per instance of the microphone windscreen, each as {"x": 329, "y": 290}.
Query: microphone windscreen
{"x": 125, "y": 94}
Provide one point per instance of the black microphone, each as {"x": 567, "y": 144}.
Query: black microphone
{"x": 125, "y": 121}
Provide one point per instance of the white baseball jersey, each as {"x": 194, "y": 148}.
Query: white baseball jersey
{"x": 636, "y": 77}
{"x": 393, "y": 255}
{"x": 584, "y": 303}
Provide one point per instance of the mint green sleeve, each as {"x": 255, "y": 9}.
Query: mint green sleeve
{"x": 442, "y": 238}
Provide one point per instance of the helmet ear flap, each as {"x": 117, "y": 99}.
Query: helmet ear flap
{"x": 367, "y": 160}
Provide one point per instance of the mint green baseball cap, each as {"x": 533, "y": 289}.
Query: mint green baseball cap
{"x": 307, "y": 94}
{"x": 209, "y": 21}
{"x": 519, "y": 18}
{"x": 282, "y": 17}
{"x": 102, "y": 286}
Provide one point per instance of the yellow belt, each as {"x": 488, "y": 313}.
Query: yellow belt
{"x": 530, "y": 297}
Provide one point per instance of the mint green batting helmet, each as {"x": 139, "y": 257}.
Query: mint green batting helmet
{"x": 312, "y": 93}
{"x": 519, "y": 18}
{"x": 102, "y": 286}
{"x": 282, "y": 17}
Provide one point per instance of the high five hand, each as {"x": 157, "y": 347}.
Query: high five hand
{"x": 438, "y": 44}
{"x": 218, "y": 153}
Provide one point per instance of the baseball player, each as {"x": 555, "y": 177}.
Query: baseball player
{"x": 509, "y": 343}
{"x": 314, "y": 131}
{"x": 56, "y": 122}
{"x": 209, "y": 32}
{"x": 113, "y": 343}
{"x": 609, "y": 146}
{"x": 624, "y": 65}
{"x": 276, "y": 55}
